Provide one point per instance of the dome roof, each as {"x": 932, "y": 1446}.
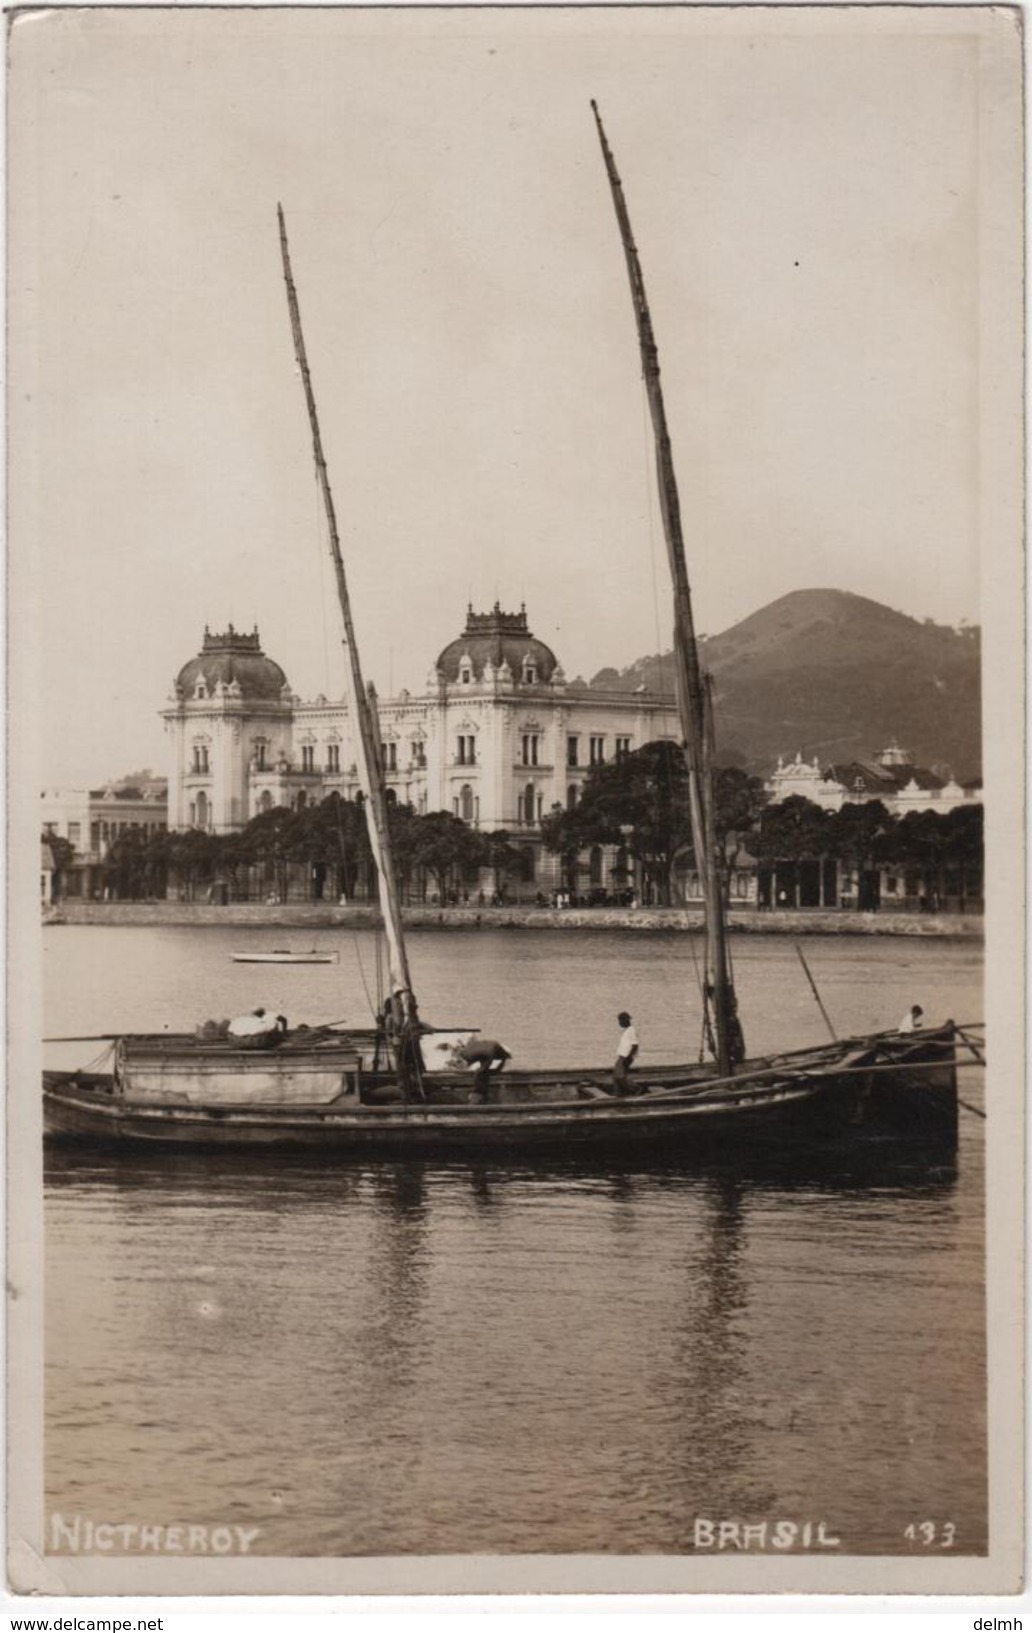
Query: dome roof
{"x": 236, "y": 661}
{"x": 498, "y": 637}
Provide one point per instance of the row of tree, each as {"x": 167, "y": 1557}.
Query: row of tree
{"x": 641, "y": 804}
{"x": 328, "y": 842}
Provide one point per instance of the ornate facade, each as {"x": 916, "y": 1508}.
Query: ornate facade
{"x": 498, "y": 736}
{"x": 893, "y": 778}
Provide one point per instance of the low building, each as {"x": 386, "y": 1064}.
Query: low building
{"x": 92, "y": 819}
{"x": 893, "y": 778}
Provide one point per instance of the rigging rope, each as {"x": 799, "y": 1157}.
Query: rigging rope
{"x": 706, "y": 1031}
{"x": 322, "y": 550}
{"x": 361, "y": 974}
{"x": 650, "y": 513}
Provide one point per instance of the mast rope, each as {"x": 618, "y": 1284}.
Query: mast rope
{"x": 706, "y": 1027}
{"x": 650, "y": 514}
{"x": 322, "y": 552}
{"x": 361, "y": 975}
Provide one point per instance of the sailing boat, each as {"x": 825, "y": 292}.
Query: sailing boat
{"x": 405, "y": 1087}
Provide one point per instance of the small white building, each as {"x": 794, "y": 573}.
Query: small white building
{"x": 893, "y": 778}
{"x": 91, "y": 819}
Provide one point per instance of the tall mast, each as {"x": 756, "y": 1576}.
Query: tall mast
{"x": 367, "y": 735}
{"x": 692, "y": 702}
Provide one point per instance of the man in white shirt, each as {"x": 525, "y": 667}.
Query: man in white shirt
{"x": 255, "y": 1025}
{"x": 626, "y": 1051}
{"x": 913, "y": 1020}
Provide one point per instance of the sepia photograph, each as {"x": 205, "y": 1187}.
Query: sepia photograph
{"x": 516, "y": 761}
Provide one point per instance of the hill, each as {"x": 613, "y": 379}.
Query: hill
{"x": 837, "y": 677}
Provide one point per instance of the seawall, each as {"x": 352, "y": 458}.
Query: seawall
{"x": 318, "y": 915}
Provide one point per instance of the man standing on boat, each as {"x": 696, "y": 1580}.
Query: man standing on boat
{"x": 626, "y": 1053}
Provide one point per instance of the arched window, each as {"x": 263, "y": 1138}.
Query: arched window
{"x": 265, "y": 802}
{"x": 466, "y": 803}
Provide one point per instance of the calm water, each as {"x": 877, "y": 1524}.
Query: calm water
{"x": 433, "y": 1358}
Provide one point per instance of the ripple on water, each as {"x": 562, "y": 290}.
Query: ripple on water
{"x": 418, "y": 1358}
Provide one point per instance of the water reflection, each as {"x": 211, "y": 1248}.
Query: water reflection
{"x": 471, "y": 1356}
{"x": 277, "y": 1176}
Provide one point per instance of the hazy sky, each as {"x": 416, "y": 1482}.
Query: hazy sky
{"x": 804, "y": 194}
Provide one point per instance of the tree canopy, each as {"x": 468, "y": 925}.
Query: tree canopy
{"x": 641, "y": 802}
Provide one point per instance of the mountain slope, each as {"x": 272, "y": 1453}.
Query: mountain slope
{"x": 835, "y": 676}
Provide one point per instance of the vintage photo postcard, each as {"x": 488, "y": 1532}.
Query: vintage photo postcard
{"x": 516, "y": 743}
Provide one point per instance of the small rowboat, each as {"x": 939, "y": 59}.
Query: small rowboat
{"x": 283, "y": 955}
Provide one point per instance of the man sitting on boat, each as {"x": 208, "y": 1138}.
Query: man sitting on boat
{"x": 258, "y": 1030}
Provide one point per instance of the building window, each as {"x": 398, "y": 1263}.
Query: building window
{"x": 390, "y": 756}
{"x": 466, "y": 803}
{"x": 530, "y": 747}
{"x": 308, "y": 757}
{"x": 260, "y": 745}
{"x": 529, "y": 672}
{"x": 467, "y": 749}
{"x": 202, "y": 811}
{"x": 571, "y": 796}
{"x": 465, "y": 674}
{"x": 200, "y": 759}
{"x": 571, "y": 751}
{"x": 333, "y": 757}
{"x": 419, "y": 756}
{"x": 94, "y": 836}
{"x": 74, "y": 833}
{"x": 598, "y": 751}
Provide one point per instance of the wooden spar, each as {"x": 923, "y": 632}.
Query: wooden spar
{"x": 370, "y": 770}
{"x": 691, "y": 690}
{"x": 813, "y": 989}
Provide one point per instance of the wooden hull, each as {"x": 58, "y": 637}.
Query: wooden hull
{"x": 884, "y": 1091}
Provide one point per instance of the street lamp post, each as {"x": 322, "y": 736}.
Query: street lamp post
{"x": 627, "y": 834}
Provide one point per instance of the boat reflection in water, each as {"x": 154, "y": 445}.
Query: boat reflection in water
{"x": 480, "y": 1357}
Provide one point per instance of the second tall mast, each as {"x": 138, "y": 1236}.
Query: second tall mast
{"x": 692, "y": 699}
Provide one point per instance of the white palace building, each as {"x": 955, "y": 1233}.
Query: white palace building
{"x": 498, "y": 737}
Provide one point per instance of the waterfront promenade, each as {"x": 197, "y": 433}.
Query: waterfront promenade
{"x": 324, "y": 915}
